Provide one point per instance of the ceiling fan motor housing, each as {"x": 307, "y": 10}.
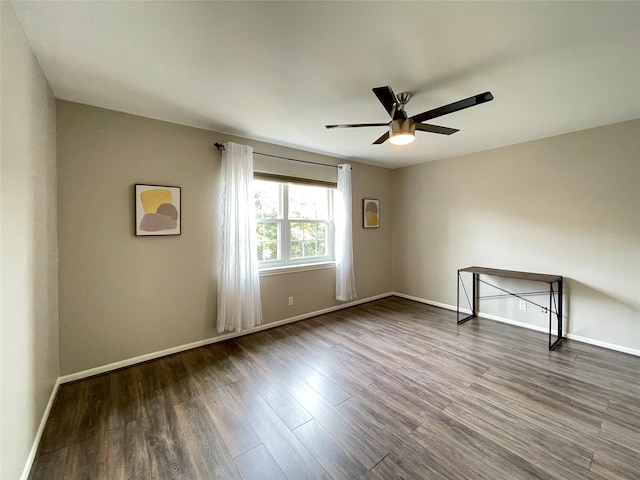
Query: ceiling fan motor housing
{"x": 402, "y": 126}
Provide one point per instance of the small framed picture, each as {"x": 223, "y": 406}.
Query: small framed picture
{"x": 370, "y": 213}
{"x": 158, "y": 210}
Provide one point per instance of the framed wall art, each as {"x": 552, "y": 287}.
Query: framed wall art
{"x": 370, "y": 213}
{"x": 158, "y": 210}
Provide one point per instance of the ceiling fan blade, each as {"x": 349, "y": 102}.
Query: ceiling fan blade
{"x": 389, "y": 101}
{"x": 387, "y": 98}
{"x": 382, "y": 139}
{"x": 425, "y": 127}
{"x": 355, "y": 125}
{"x": 453, "y": 107}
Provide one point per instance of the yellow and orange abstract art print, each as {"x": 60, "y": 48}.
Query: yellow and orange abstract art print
{"x": 158, "y": 210}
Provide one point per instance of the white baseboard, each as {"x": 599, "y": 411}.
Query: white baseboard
{"x": 208, "y": 341}
{"x": 36, "y": 441}
{"x": 430, "y": 302}
{"x": 609, "y": 346}
{"x": 570, "y": 336}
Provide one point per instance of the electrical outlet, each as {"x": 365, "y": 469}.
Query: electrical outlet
{"x": 290, "y": 301}
{"x": 523, "y": 305}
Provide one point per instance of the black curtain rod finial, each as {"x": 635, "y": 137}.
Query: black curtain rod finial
{"x": 219, "y": 146}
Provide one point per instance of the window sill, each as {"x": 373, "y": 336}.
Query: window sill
{"x": 296, "y": 268}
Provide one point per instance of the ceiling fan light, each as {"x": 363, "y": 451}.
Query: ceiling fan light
{"x": 402, "y": 132}
{"x": 402, "y": 138}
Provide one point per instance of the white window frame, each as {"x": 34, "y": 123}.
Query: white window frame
{"x": 284, "y": 231}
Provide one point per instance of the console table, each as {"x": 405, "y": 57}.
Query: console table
{"x": 555, "y": 295}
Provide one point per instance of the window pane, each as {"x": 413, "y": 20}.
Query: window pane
{"x": 296, "y": 250}
{"x": 308, "y": 203}
{"x": 322, "y": 239}
{"x": 308, "y": 239}
{"x": 309, "y": 247}
{"x": 268, "y": 238}
{"x": 303, "y": 239}
{"x": 267, "y": 195}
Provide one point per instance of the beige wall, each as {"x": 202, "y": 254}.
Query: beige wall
{"x": 28, "y": 269}
{"x": 567, "y": 205}
{"x": 123, "y": 296}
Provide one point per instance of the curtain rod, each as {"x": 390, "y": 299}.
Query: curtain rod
{"x": 219, "y": 146}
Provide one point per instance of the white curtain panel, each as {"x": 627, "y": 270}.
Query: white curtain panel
{"x": 345, "y": 273}
{"x": 239, "y": 306}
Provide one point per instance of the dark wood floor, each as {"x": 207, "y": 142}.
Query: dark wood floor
{"x": 389, "y": 389}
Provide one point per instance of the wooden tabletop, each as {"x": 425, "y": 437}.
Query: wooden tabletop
{"x": 496, "y": 272}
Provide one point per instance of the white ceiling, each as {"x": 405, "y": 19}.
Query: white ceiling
{"x": 279, "y": 71}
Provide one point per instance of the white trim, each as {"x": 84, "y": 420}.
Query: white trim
{"x": 429, "y": 302}
{"x": 297, "y": 268}
{"x": 509, "y": 321}
{"x": 570, "y": 336}
{"x": 598, "y": 343}
{"x": 36, "y": 441}
{"x": 200, "y": 343}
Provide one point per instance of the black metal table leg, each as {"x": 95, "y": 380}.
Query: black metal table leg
{"x": 473, "y": 307}
{"x": 553, "y": 345}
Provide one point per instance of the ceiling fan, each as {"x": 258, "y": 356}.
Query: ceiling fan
{"x": 401, "y": 127}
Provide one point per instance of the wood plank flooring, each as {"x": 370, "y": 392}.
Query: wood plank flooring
{"x": 392, "y": 389}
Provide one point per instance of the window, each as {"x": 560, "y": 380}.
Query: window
{"x": 294, "y": 223}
